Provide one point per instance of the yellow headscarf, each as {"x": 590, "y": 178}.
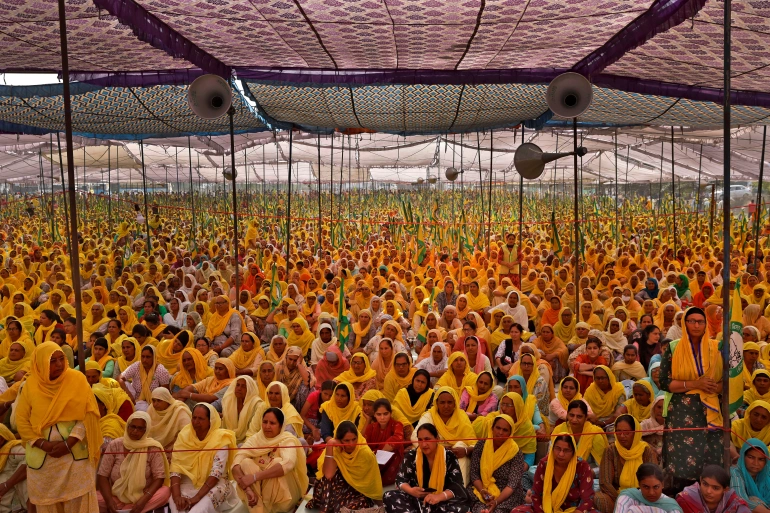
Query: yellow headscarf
{"x": 635, "y": 409}
{"x": 438, "y": 474}
{"x": 474, "y": 398}
{"x": 202, "y": 369}
{"x": 349, "y": 376}
{"x": 121, "y": 360}
{"x": 130, "y": 486}
{"x": 44, "y": 402}
{"x": 168, "y": 423}
{"x": 194, "y": 458}
{"x": 8, "y": 369}
{"x": 217, "y": 323}
{"x": 562, "y": 400}
{"x": 492, "y": 459}
{"x": 448, "y": 378}
{"x": 303, "y": 341}
{"x": 412, "y": 413}
{"x": 458, "y": 427}
{"x": 243, "y": 359}
{"x": 603, "y": 405}
{"x": 591, "y": 442}
{"x": 337, "y": 414}
{"x": 751, "y": 395}
{"x": 632, "y": 457}
{"x": 394, "y": 383}
{"x": 239, "y": 423}
{"x": 212, "y": 385}
{"x": 356, "y": 468}
{"x": 741, "y": 428}
{"x": 553, "y": 498}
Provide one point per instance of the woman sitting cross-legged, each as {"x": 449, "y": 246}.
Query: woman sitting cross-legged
{"x": 13, "y": 472}
{"x": 429, "y": 478}
{"x": 270, "y": 467}
{"x": 345, "y": 473}
{"x": 168, "y": 417}
{"x": 133, "y": 470}
{"x": 201, "y": 463}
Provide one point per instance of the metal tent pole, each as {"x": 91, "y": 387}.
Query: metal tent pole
{"x": 320, "y": 214}
{"x": 144, "y": 193}
{"x": 577, "y": 226}
{"x": 73, "y": 223}
{"x": 231, "y": 113}
{"x": 673, "y": 188}
{"x": 489, "y": 202}
{"x": 758, "y": 212}
{"x": 288, "y": 207}
{"x": 726, "y": 296}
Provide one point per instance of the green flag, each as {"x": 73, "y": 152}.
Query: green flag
{"x": 343, "y": 323}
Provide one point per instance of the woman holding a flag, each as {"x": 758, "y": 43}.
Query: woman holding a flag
{"x": 691, "y": 373}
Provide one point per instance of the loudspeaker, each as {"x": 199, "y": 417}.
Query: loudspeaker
{"x": 451, "y": 174}
{"x": 209, "y": 96}
{"x": 569, "y": 95}
{"x": 229, "y": 174}
{"x": 530, "y": 160}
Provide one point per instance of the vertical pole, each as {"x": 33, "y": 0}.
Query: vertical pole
{"x": 726, "y": 235}
{"x": 109, "y": 185}
{"x": 73, "y": 222}
{"x": 521, "y": 210}
{"x": 673, "y": 188}
{"x": 462, "y": 209}
{"x": 758, "y": 212}
{"x": 64, "y": 201}
{"x": 231, "y": 113}
{"x": 489, "y": 203}
{"x": 700, "y": 168}
{"x": 320, "y": 215}
{"x": 577, "y": 226}
{"x": 288, "y": 207}
{"x": 617, "y": 228}
{"x": 192, "y": 194}
{"x": 144, "y": 192}
{"x": 331, "y": 192}
{"x": 712, "y": 207}
{"x": 53, "y": 196}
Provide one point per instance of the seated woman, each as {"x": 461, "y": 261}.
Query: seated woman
{"x": 360, "y": 375}
{"x": 266, "y": 375}
{"x": 248, "y": 356}
{"x": 341, "y": 407}
{"x": 605, "y": 396}
{"x": 225, "y": 327}
{"x": 130, "y": 352}
{"x": 239, "y": 405}
{"x": 649, "y": 497}
{"x": 142, "y": 377}
{"x": 754, "y": 424}
{"x": 569, "y": 390}
{"x": 459, "y": 374}
{"x": 429, "y": 475}
{"x": 386, "y": 434}
{"x": 562, "y": 481}
{"x": 277, "y": 350}
{"x": 592, "y": 442}
{"x": 110, "y": 423}
{"x": 270, "y": 467}
{"x": 629, "y": 367}
{"x": 532, "y": 411}
{"x": 436, "y": 363}
{"x": 310, "y": 412}
{"x": 278, "y": 397}
{"x": 620, "y": 462}
{"x": 194, "y": 369}
{"x": 553, "y": 350}
{"x": 399, "y": 376}
{"x": 537, "y": 377}
{"x": 414, "y": 400}
{"x": 18, "y": 361}
{"x": 497, "y": 467}
{"x": 203, "y": 345}
{"x": 167, "y": 418}
{"x": 719, "y": 498}
{"x": 478, "y": 400}
{"x": 133, "y": 469}
{"x": 345, "y": 477}
{"x": 13, "y": 472}
{"x": 512, "y": 404}
{"x": 169, "y": 351}
{"x": 750, "y": 478}
{"x": 212, "y": 389}
{"x": 201, "y": 463}
{"x": 452, "y": 424}
{"x": 640, "y": 405}
{"x": 653, "y": 427}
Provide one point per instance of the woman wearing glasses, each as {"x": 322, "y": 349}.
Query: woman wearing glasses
{"x": 691, "y": 370}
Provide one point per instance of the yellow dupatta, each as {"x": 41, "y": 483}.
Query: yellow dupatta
{"x": 436, "y": 480}
{"x": 448, "y": 379}
{"x": 337, "y": 414}
{"x": 217, "y": 323}
{"x": 167, "y": 424}
{"x": 742, "y": 431}
{"x": 202, "y": 369}
{"x": 130, "y": 486}
{"x": 457, "y": 428}
{"x": 632, "y": 457}
{"x": 393, "y": 383}
{"x": 591, "y": 442}
{"x": 231, "y": 419}
{"x": 121, "y": 360}
{"x": 474, "y": 398}
{"x": 492, "y": 459}
{"x": 562, "y": 400}
{"x": 751, "y": 395}
{"x": 194, "y": 458}
{"x": 603, "y": 405}
{"x": 349, "y": 376}
{"x": 638, "y": 411}
{"x": 356, "y": 468}
{"x": 212, "y": 384}
{"x": 303, "y": 341}
{"x": 553, "y": 498}
{"x": 242, "y": 359}
{"x": 10, "y": 443}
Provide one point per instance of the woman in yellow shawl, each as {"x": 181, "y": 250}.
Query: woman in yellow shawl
{"x": 277, "y": 397}
{"x": 239, "y": 406}
{"x": 458, "y": 375}
{"x": 56, "y": 395}
{"x": 760, "y": 387}
{"x": 399, "y": 376}
{"x": 248, "y": 356}
{"x": 345, "y": 477}
{"x": 14, "y": 332}
{"x": 592, "y": 442}
{"x": 225, "y": 327}
{"x": 754, "y": 424}
{"x": 495, "y": 466}
{"x": 512, "y": 405}
{"x": 564, "y": 330}
{"x": 169, "y": 352}
{"x": 452, "y": 424}
{"x": 201, "y": 463}
{"x": 341, "y": 407}
{"x": 168, "y": 417}
{"x": 48, "y": 321}
{"x": 621, "y": 460}
{"x": 211, "y": 388}
{"x": 135, "y": 479}
{"x": 300, "y": 335}
{"x": 270, "y": 468}
{"x": 605, "y": 395}
{"x": 477, "y": 301}
{"x": 691, "y": 371}
{"x": 19, "y": 359}
{"x": 110, "y": 423}
{"x": 360, "y": 375}
{"x": 130, "y": 352}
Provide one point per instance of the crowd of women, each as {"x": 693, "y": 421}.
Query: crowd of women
{"x": 488, "y": 383}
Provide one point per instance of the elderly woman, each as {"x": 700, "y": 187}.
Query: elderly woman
{"x": 345, "y": 476}
{"x": 167, "y": 418}
{"x": 142, "y": 377}
{"x": 270, "y": 467}
{"x": 239, "y": 405}
{"x": 360, "y": 375}
{"x": 277, "y": 397}
{"x": 132, "y": 470}
{"x": 54, "y": 395}
{"x": 297, "y": 377}
{"x": 225, "y": 327}
{"x": 211, "y": 389}
{"x": 201, "y": 463}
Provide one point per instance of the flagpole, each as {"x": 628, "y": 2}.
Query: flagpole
{"x": 726, "y": 111}
{"x": 758, "y": 210}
